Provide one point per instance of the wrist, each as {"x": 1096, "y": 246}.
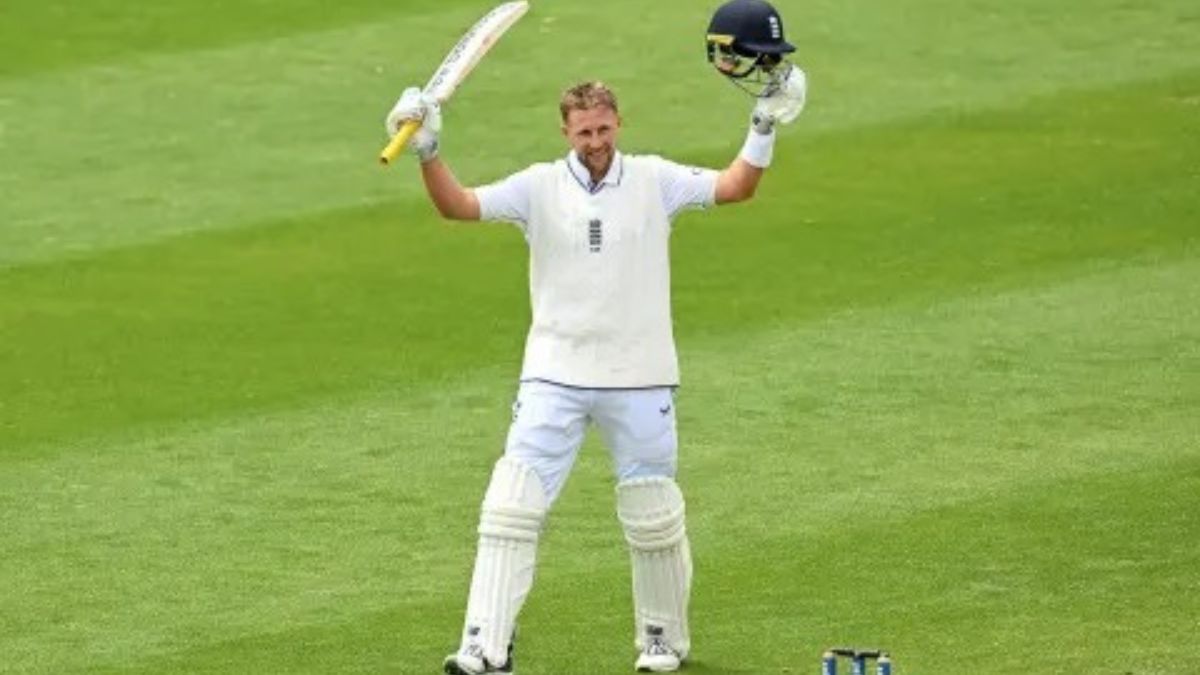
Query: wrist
{"x": 762, "y": 122}
{"x": 425, "y": 144}
{"x": 427, "y": 153}
{"x": 758, "y": 148}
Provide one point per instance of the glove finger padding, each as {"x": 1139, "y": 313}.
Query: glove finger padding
{"x": 417, "y": 105}
{"x": 431, "y": 113}
{"x": 408, "y": 107}
{"x": 784, "y": 105}
{"x": 425, "y": 142}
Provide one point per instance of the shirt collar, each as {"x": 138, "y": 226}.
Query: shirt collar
{"x": 584, "y": 177}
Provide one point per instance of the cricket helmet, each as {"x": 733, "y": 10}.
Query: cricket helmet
{"x": 745, "y": 43}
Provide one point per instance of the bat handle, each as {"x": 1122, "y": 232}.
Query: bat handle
{"x": 396, "y": 146}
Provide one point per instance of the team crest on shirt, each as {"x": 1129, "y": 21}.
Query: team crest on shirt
{"x": 595, "y": 235}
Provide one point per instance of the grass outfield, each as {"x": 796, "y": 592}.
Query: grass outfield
{"x": 942, "y": 377}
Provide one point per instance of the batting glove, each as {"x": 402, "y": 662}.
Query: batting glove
{"x": 783, "y": 104}
{"x": 424, "y": 108}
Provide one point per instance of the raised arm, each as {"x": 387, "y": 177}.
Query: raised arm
{"x": 450, "y": 198}
{"x": 739, "y": 180}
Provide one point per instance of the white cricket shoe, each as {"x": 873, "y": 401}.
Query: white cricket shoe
{"x": 658, "y": 656}
{"x": 470, "y": 661}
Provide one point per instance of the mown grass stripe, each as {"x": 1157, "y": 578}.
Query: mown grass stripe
{"x": 320, "y": 516}
{"x": 147, "y": 148}
{"x": 216, "y": 323}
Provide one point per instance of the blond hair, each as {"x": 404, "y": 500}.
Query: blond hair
{"x": 585, "y": 96}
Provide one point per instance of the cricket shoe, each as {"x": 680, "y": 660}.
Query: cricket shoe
{"x": 657, "y": 656}
{"x": 470, "y": 661}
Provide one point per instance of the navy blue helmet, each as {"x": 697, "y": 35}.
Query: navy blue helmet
{"x": 745, "y": 41}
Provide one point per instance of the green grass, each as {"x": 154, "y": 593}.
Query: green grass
{"x": 941, "y": 377}
{"x": 53, "y": 34}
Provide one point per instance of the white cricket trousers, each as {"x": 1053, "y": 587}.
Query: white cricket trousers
{"x": 549, "y": 422}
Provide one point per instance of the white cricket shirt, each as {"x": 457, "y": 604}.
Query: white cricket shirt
{"x": 599, "y": 265}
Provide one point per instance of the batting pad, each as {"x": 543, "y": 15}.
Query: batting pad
{"x": 513, "y": 511}
{"x": 652, "y": 514}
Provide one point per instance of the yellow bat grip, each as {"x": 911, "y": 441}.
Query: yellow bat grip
{"x": 396, "y": 146}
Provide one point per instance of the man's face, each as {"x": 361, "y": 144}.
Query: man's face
{"x": 592, "y": 134}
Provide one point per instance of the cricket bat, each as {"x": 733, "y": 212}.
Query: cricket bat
{"x": 458, "y": 64}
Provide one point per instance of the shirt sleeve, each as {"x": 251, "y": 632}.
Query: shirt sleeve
{"x": 507, "y": 199}
{"x": 686, "y": 187}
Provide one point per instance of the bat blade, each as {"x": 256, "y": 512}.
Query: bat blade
{"x": 459, "y": 63}
{"x": 472, "y": 47}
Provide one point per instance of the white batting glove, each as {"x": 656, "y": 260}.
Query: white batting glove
{"x": 415, "y": 104}
{"x": 784, "y": 104}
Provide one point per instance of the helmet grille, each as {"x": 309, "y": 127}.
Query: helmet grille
{"x": 756, "y": 74}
